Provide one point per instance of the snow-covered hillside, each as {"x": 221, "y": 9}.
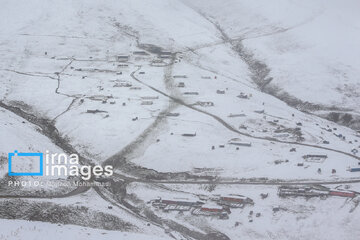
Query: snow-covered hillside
{"x": 309, "y": 47}
{"x": 190, "y": 101}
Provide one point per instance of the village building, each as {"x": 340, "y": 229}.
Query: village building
{"x": 150, "y": 97}
{"x": 135, "y": 88}
{"x": 191, "y": 93}
{"x": 234, "y": 201}
{"x": 205, "y": 104}
{"x": 342, "y": 193}
{"x": 172, "y": 114}
{"x": 179, "y": 76}
{"x": 176, "y": 204}
{"x": 122, "y": 84}
{"x": 315, "y": 157}
{"x": 354, "y": 169}
{"x": 181, "y": 84}
{"x": 243, "y": 96}
{"x": 147, "y": 103}
{"x": 122, "y": 58}
{"x": 143, "y": 53}
{"x": 95, "y": 111}
{"x": 307, "y": 191}
{"x": 237, "y": 115}
{"x": 212, "y": 210}
{"x": 259, "y": 111}
{"x": 243, "y": 144}
{"x": 188, "y": 134}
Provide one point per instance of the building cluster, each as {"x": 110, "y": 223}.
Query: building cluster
{"x": 313, "y": 191}
{"x": 238, "y": 142}
{"x": 217, "y": 206}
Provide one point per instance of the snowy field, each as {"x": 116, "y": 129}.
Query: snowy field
{"x": 184, "y": 99}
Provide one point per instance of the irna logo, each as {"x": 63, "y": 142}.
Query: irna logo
{"x": 32, "y": 160}
{"x": 40, "y": 164}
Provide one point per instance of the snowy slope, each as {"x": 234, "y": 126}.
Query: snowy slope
{"x": 238, "y": 71}
{"x": 310, "y": 47}
{"x": 20, "y": 229}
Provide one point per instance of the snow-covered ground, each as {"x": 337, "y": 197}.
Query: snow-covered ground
{"x": 20, "y": 229}
{"x": 310, "y": 46}
{"x": 231, "y": 75}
